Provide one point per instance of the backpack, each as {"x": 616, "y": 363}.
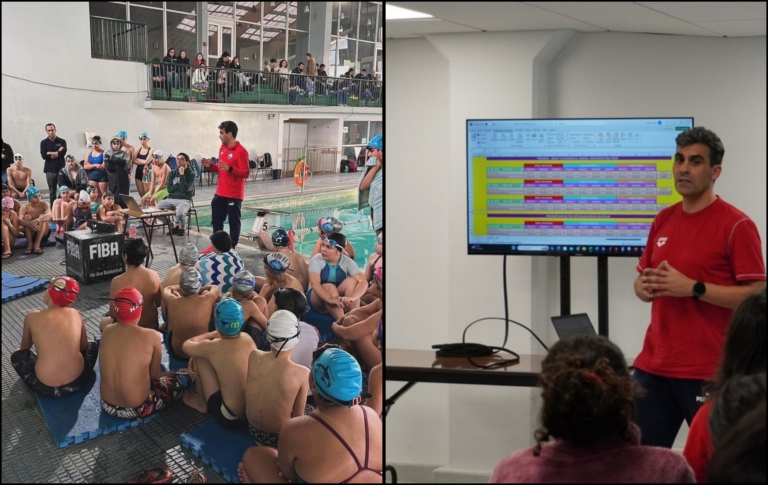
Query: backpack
{"x": 352, "y": 166}
{"x": 267, "y": 160}
{"x": 252, "y": 164}
{"x": 171, "y": 161}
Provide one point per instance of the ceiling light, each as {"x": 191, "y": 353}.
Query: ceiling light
{"x": 398, "y": 13}
{"x": 271, "y": 4}
{"x": 306, "y": 9}
{"x": 342, "y": 15}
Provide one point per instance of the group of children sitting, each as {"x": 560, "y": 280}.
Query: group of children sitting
{"x": 252, "y": 362}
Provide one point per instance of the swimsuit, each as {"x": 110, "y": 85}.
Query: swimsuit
{"x": 224, "y": 415}
{"x": 343, "y": 442}
{"x": 24, "y": 361}
{"x": 97, "y": 175}
{"x": 162, "y": 391}
{"x": 140, "y": 168}
{"x": 265, "y": 438}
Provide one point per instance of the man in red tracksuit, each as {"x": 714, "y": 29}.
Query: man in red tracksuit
{"x": 233, "y": 171}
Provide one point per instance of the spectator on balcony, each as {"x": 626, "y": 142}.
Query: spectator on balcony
{"x": 322, "y": 79}
{"x": 158, "y": 79}
{"x": 221, "y": 76}
{"x": 283, "y": 70}
{"x": 311, "y": 90}
{"x": 169, "y": 70}
{"x": 297, "y": 84}
{"x": 183, "y": 62}
{"x": 364, "y": 86}
{"x": 341, "y": 89}
{"x": 242, "y": 80}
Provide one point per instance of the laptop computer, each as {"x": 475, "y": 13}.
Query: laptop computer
{"x": 572, "y": 325}
{"x": 134, "y": 208}
{"x": 578, "y": 324}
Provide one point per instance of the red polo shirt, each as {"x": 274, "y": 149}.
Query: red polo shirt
{"x": 232, "y": 184}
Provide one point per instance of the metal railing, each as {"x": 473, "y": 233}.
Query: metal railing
{"x": 118, "y": 39}
{"x": 180, "y": 82}
{"x": 319, "y": 159}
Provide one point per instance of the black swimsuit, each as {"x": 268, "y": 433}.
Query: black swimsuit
{"x": 140, "y": 168}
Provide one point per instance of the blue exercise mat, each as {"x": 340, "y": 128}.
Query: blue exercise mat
{"x": 219, "y": 447}
{"x": 74, "y": 418}
{"x": 16, "y": 286}
{"x": 322, "y": 322}
{"x": 21, "y": 243}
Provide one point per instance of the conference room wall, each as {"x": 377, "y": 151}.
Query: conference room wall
{"x": 607, "y": 74}
{"x": 418, "y": 263}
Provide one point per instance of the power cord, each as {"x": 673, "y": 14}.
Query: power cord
{"x": 470, "y": 350}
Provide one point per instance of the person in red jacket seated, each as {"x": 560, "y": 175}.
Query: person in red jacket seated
{"x": 587, "y": 408}
{"x": 233, "y": 171}
{"x": 743, "y": 354}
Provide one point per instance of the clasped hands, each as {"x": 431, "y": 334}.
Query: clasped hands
{"x": 665, "y": 281}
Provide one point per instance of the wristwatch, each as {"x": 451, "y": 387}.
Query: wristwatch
{"x": 230, "y": 168}
{"x": 699, "y": 288}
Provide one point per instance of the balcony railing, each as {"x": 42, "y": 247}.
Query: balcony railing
{"x": 224, "y": 85}
{"x": 118, "y": 39}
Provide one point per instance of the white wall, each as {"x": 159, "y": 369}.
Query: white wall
{"x": 49, "y": 76}
{"x": 436, "y": 84}
{"x": 323, "y": 133}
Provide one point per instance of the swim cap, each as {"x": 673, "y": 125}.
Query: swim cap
{"x": 228, "y": 316}
{"x": 191, "y": 281}
{"x": 158, "y": 153}
{"x": 69, "y": 157}
{"x": 189, "y": 254}
{"x": 143, "y": 135}
{"x": 122, "y": 134}
{"x": 331, "y": 225}
{"x": 277, "y": 262}
{"x": 84, "y": 197}
{"x": 378, "y": 275}
{"x": 128, "y": 304}
{"x": 244, "y": 283}
{"x": 280, "y": 238}
{"x": 337, "y": 376}
{"x": 377, "y": 142}
{"x": 292, "y": 300}
{"x": 91, "y": 188}
{"x": 63, "y": 291}
{"x": 283, "y": 331}
{"x": 32, "y": 192}
{"x": 7, "y": 203}
{"x": 62, "y": 189}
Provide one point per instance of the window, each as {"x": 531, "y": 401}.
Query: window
{"x": 375, "y": 129}
{"x": 274, "y": 44}
{"x": 367, "y": 21}
{"x": 348, "y": 17}
{"x": 298, "y": 46}
{"x": 185, "y": 7}
{"x": 335, "y": 19}
{"x": 108, "y": 10}
{"x": 182, "y": 33}
{"x": 355, "y": 132}
{"x": 346, "y": 55}
{"x": 274, "y": 16}
{"x": 247, "y": 45}
{"x": 154, "y": 20}
{"x": 365, "y": 56}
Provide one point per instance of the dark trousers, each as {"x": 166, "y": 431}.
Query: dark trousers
{"x": 53, "y": 185}
{"x": 118, "y": 184}
{"x": 223, "y": 208}
{"x": 667, "y": 401}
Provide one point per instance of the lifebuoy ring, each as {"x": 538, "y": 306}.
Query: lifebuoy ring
{"x": 297, "y": 173}
{"x": 290, "y": 239}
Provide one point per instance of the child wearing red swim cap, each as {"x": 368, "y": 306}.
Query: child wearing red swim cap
{"x": 57, "y": 329}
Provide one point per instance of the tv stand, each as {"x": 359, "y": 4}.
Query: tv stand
{"x": 602, "y": 291}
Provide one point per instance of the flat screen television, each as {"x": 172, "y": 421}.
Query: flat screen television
{"x": 577, "y": 187}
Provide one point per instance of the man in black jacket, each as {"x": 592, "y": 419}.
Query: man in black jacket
{"x": 53, "y": 150}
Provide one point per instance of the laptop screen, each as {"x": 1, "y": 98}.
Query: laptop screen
{"x": 572, "y": 325}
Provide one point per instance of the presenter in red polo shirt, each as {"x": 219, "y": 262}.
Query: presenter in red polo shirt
{"x": 703, "y": 257}
{"x": 233, "y": 172}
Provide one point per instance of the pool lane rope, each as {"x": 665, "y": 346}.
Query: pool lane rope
{"x": 307, "y": 230}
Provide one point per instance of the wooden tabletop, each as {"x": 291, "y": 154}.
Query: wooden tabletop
{"x": 424, "y": 366}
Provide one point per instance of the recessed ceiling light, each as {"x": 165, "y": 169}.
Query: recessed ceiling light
{"x": 398, "y": 13}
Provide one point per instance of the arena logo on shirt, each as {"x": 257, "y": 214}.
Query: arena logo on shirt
{"x": 661, "y": 241}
